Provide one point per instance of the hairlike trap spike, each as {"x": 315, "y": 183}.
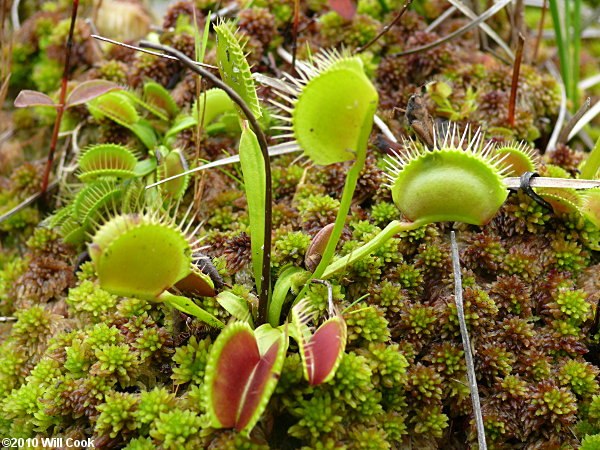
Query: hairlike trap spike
{"x": 107, "y": 160}
{"x": 332, "y": 95}
{"x": 518, "y": 158}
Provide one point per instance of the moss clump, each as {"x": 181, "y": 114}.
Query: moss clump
{"x": 91, "y": 301}
{"x": 191, "y": 360}
{"x": 116, "y": 414}
{"x": 83, "y": 363}
{"x": 176, "y": 429}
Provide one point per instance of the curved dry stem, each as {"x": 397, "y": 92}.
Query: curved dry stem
{"x": 262, "y": 141}
{"x": 486, "y": 15}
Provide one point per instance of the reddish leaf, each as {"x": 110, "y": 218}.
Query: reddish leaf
{"x": 33, "y": 98}
{"x": 236, "y": 362}
{"x": 257, "y": 385}
{"x": 324, "y": 349}
{"x": 345, "y": 8}
{"x": 89, "y": 90}
{"x": 198, "y": 284}
{"x": 240, "y": 380}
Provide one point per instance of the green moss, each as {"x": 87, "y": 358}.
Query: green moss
{"x": 192, "y": 361}
{"x": 149, "y": 341}
{"x": 425, "y": 383}
{"x": 101, "y": 334}
{"x": 290, "y": 249}
{"x": 78, "y": 359}
{"x": 116, "y": 414}
{"x": 318, "y": 415}
{"x": 579, "y": 376}
{"x": 573, "y": 303}
{"x": 86, "y": 271}
{"x": 591, "y": 442}
{"x": 175, "y": 428}
{"x": 430, "y": 421}
{"x": 388, "y": 295}
{"x": 33, "y": 327}
{"x": 133, "y": 307}
{"x": 384, "y": 212}
{"x": 366, "y": 324}
{"x": 91, "y": 301}
{"x": 569, "y": 255}
{"x": 368, "y": 438}
{"x": 448, "y": 358}
{"x": 394, "y": 424}
{"x": 409, "y": 276}
{"x": 142, "y": 443}
{"x": 352, "y": 382}
{"x": 358, "y": 32}
{"x": 152, "y": 404}
{"x": 117, "y": 359}
{"x": 47, "y": 74}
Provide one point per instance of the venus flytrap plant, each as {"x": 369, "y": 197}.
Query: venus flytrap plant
{"x": 120, "y": 108}
{"x": 244, "y": 364}
{"x": 212, "y": 103}
{"x": 235, "y": 72}
{"x": 173, "y": 163}
{"x": 518, "y": 158}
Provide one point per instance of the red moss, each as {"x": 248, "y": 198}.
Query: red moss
{"x": 237, "y": 252}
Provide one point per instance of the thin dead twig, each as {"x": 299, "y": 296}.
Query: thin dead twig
{"x": 486, "y": 15}
{"x": 563, "y": 137}
{"x": 460, "y": 312}
{"x": 386, "y": 28}
{"x": 515, "y": 81}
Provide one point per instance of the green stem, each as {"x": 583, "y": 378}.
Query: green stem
{"x": 567, "y": 42}
{"x": 280, "y": 291}
{"x": 187, "y": 306}
{"x": 591, "y": 165}
{"x": 340, "y": 220}
{"x": 562, "y": 55}
{"x": 384, "y": 235}
{"x": 576, "y": 50}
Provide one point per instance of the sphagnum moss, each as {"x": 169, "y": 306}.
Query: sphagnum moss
{"x": 82, "y": 362}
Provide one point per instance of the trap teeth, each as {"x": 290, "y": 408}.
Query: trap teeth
{"x": 107, "y": 160}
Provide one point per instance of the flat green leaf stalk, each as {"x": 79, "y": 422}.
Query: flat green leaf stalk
{"x": 592, "y": 163}
{"x": 253, "y": 168}
{"x": 189, "y": 307}
{"x": 393, "y": 228}
{"x": 280, "y": 290}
